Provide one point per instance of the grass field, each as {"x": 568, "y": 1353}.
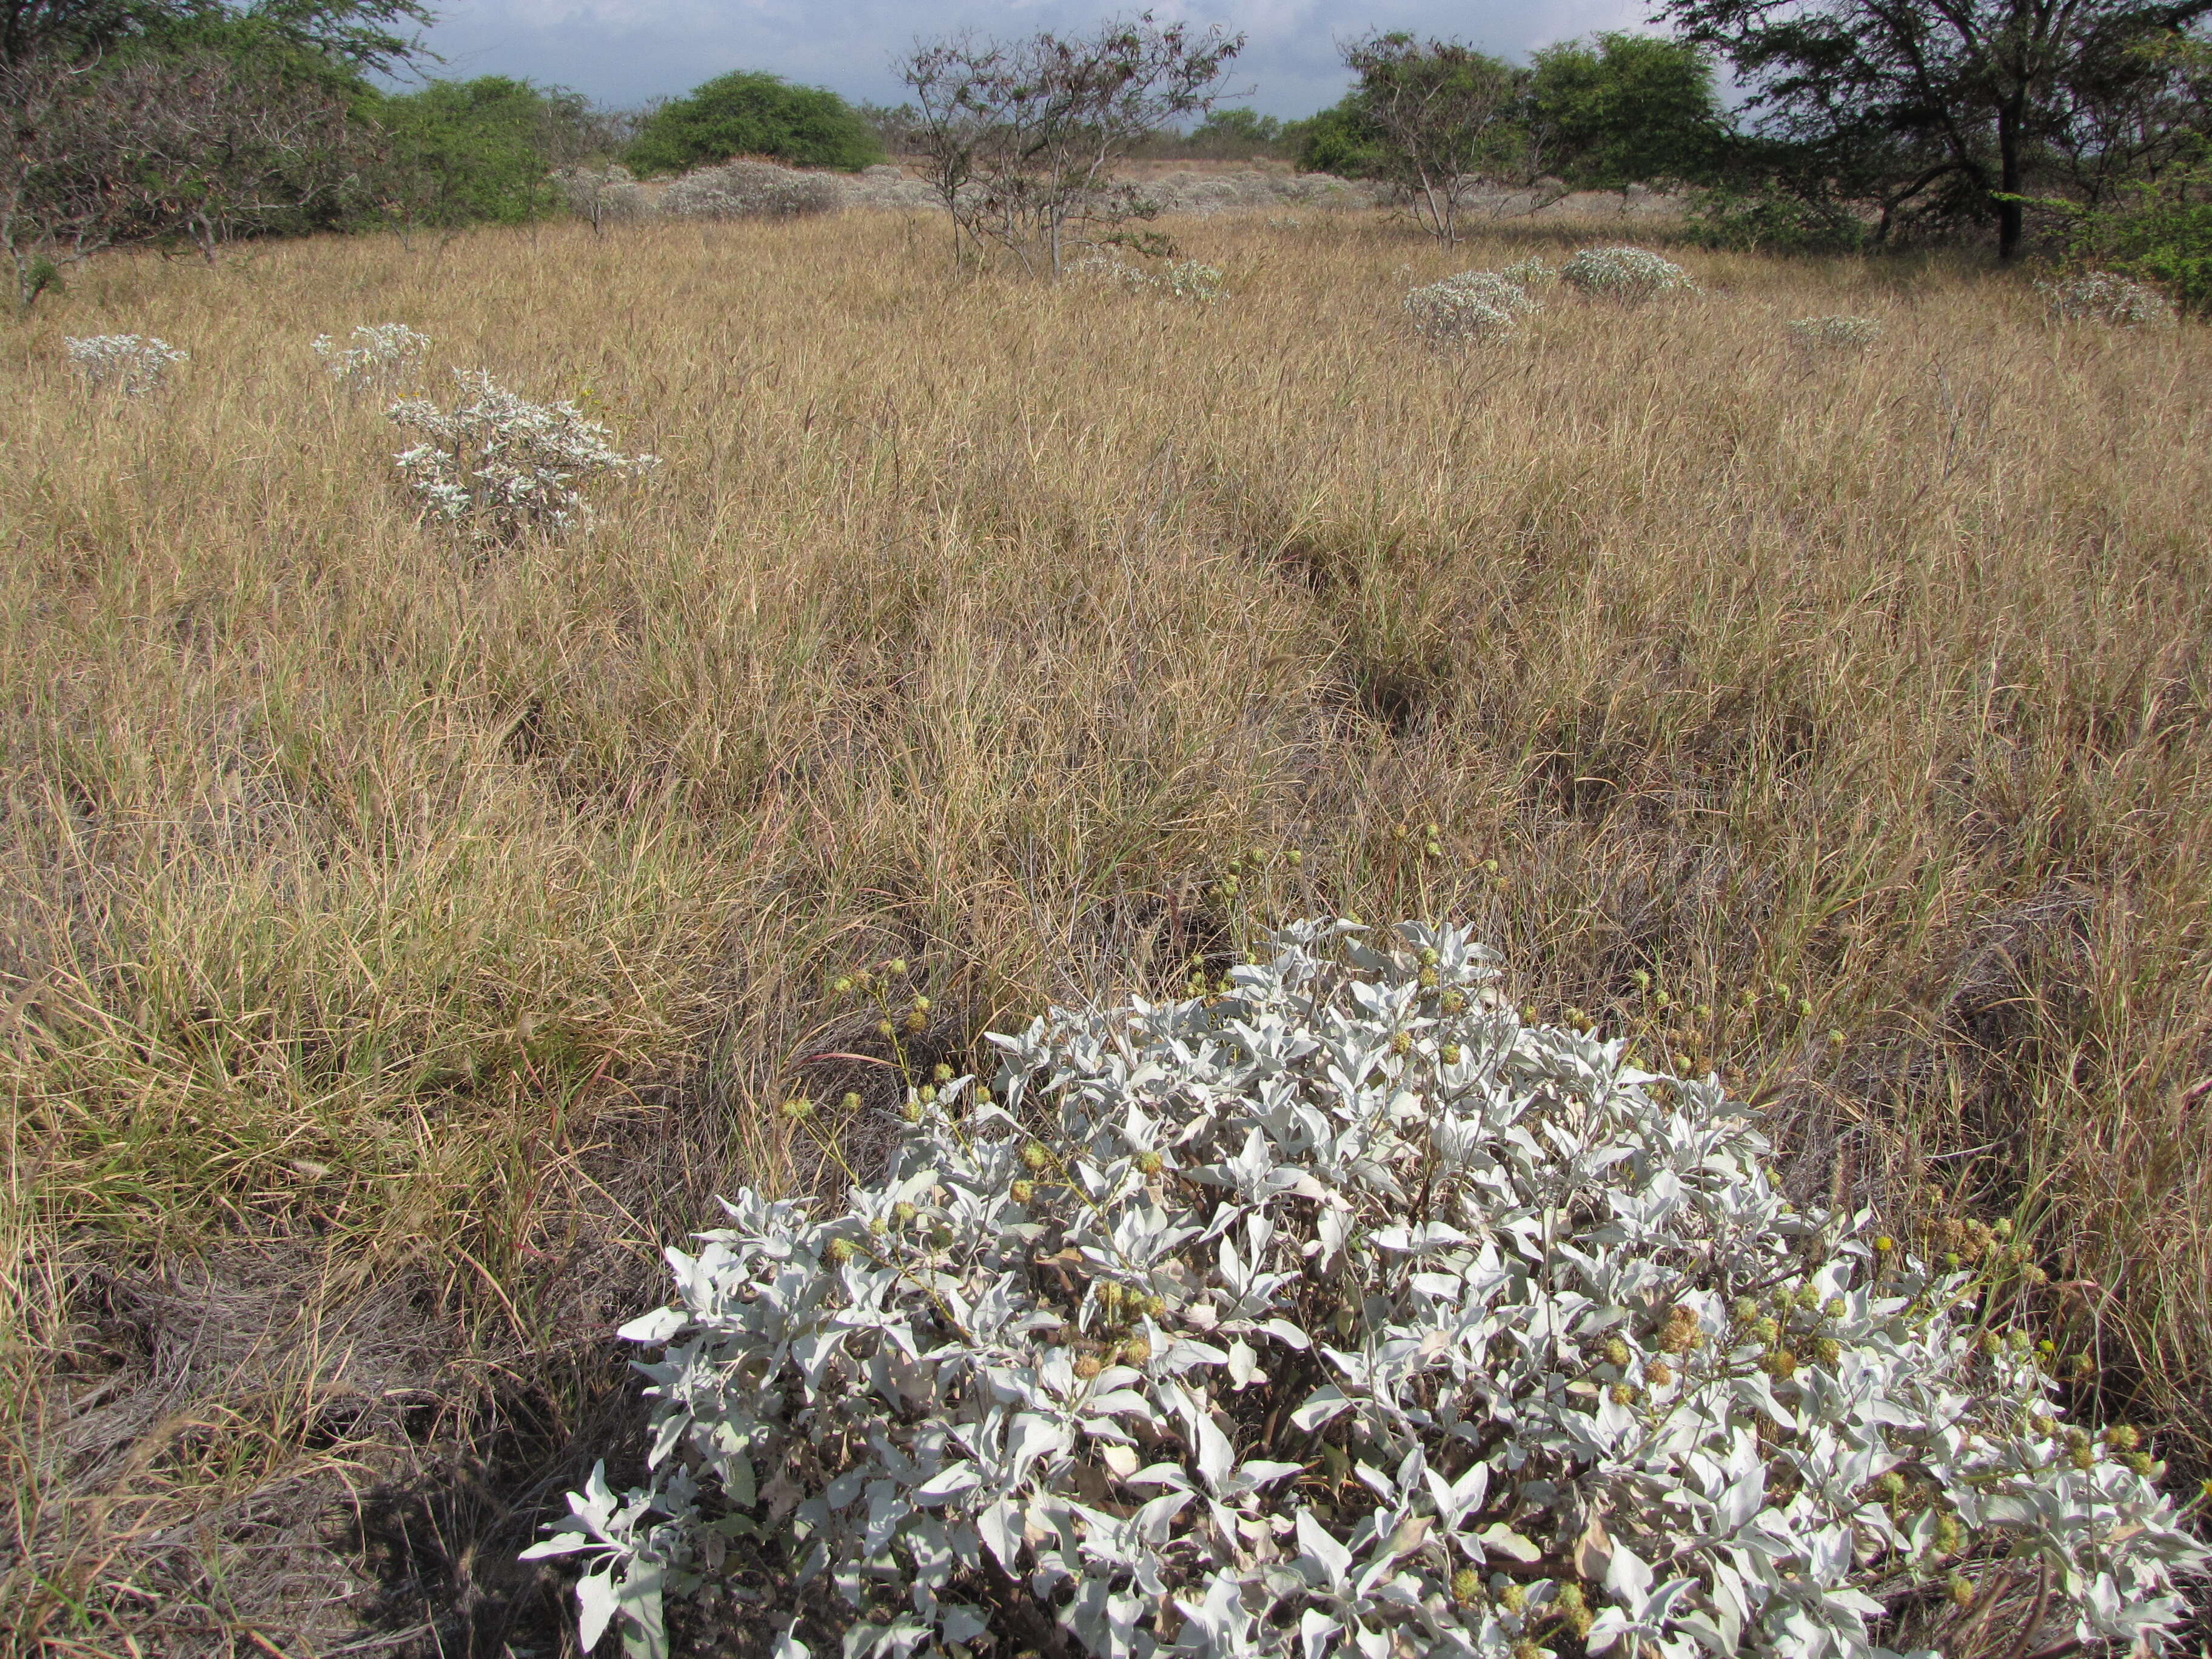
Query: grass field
{"x": 398, "y": 947}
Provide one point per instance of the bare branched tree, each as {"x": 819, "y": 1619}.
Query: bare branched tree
{"x": 1023, "y": 138}
{"x": 1448, "y": 122}
{"x": 65, "y": 151}
{"x": 194, "y": 147}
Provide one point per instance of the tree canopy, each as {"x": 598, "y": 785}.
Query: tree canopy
{"x": 1622, "y": 109}
{"x": 358, "y": 35}
{"x": 751, "y": 113}
{"x": 1440, "y": 116}
{"x": 1951, "y": 110}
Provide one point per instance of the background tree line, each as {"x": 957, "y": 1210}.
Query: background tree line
{"x": 2082, "y": 125}
{"x": 192, "y": 123}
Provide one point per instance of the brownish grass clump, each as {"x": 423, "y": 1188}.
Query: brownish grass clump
{"x": 400, "y": 946}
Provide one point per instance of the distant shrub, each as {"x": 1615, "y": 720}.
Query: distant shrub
{"x": 379, "y": 354}
{"x": 1766, "y": 218}
{"x": 1532, "y": 273}
{"x": 750, "y": 190}
{"x": 1475, "y": 306}
{"x": 1497, "y": 288}
{"x": 1624, "y": 273}
{"x": 1836, "y": 333}
{"x": 1337, "y": 1311}
{"x": 599, "y": 194}
{"x": 2108, "y": 297}
{"x": 2156, "y": 230}
{"x": 1190, "y": 279}
{"x": 1181, "y": 279}
{"x": 751, "y": 113}
{"x": 134, "y": 364}
{"x": 497, "y": 467}
{"x": 458, "y": 152}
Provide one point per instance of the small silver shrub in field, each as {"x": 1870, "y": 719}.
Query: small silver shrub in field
{"x": 750, "y": 190}
{"x": 134, "y": 364}
{"x": 1341, "y": 1313}
{"x": 1624, "y": 273}
{"x": 2104, "y": 296}
{"x": 1190, "y": 279}
{"x": 1109, "y": 269}
{"x": 1836, "y": 333}
{"x": 1181, "y": 279}
{"x": 376, "y": 354}
{"x": 1532, "y": 273}
{"x": 498, "y": 467}
{"x": 1475, "y": 306}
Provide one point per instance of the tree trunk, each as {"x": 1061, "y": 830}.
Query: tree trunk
{"x": 2011, "y": 218}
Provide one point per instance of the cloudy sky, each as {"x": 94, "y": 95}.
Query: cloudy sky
{"x": 623, "y": 52}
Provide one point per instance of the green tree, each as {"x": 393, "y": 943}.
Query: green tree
{"x": 1619, "y": 109}
{"x": 1335, "y": 140}
{"x": 1443, "y": 118}
{"x": 360, "y": 35}
{"x": 749, "y": 113}
{"x": 1233, "y": 134}
{"x": 1951, "y": 110}
{"x": 460, "y": 152}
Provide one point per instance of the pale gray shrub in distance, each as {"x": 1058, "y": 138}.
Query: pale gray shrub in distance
{"x": 1340, "y": 1312}
{"x": 2106, "y": 297}
{"x": 750, "y": 190}
{"x": 378, "y": 353}
{"x": 1624, "y": 273}
{"x": 497, "y": 467}
{"x": 600, "y": 193}
{"x": 134, "y": 364}
{"x": 1836, "y": 333}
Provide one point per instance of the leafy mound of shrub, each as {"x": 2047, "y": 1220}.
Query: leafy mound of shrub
{"x": 1473, "y": 306}
{"x": 1624, "y": 273}
{"x": 1836, "y": 333}
{"x": 2108, "y": 297}
{"x": 134, "y": 364}
{"x": 1340, "y": 1311}
{"x": 497, "y": 467}
{"x": 751, "y": 113}
{"x": 1532, "y": 273}
{"x": 750, "y": 190}
{"x": 601, "y": 192}
{"x": 1770, "y": 217}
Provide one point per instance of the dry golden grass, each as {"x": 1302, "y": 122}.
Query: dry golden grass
{"x": 397, "y": 948}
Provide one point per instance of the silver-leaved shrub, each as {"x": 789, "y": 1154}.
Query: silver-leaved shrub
{"x": 498, "y": 467}
{"x": 1180, "y": 279}
{"x": 600, "y": 193}
{"x": 2106, "y": 297}
{"x": 751, "y": 190}
{"x": 1624, "y": 273}
{"x": 1343, "y": 1313}
{"x": 1475, "y": 306}
{"x": 376, "y": 354}
{"x": 1835, "y": 333}
{"x": 134, "y": 364}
